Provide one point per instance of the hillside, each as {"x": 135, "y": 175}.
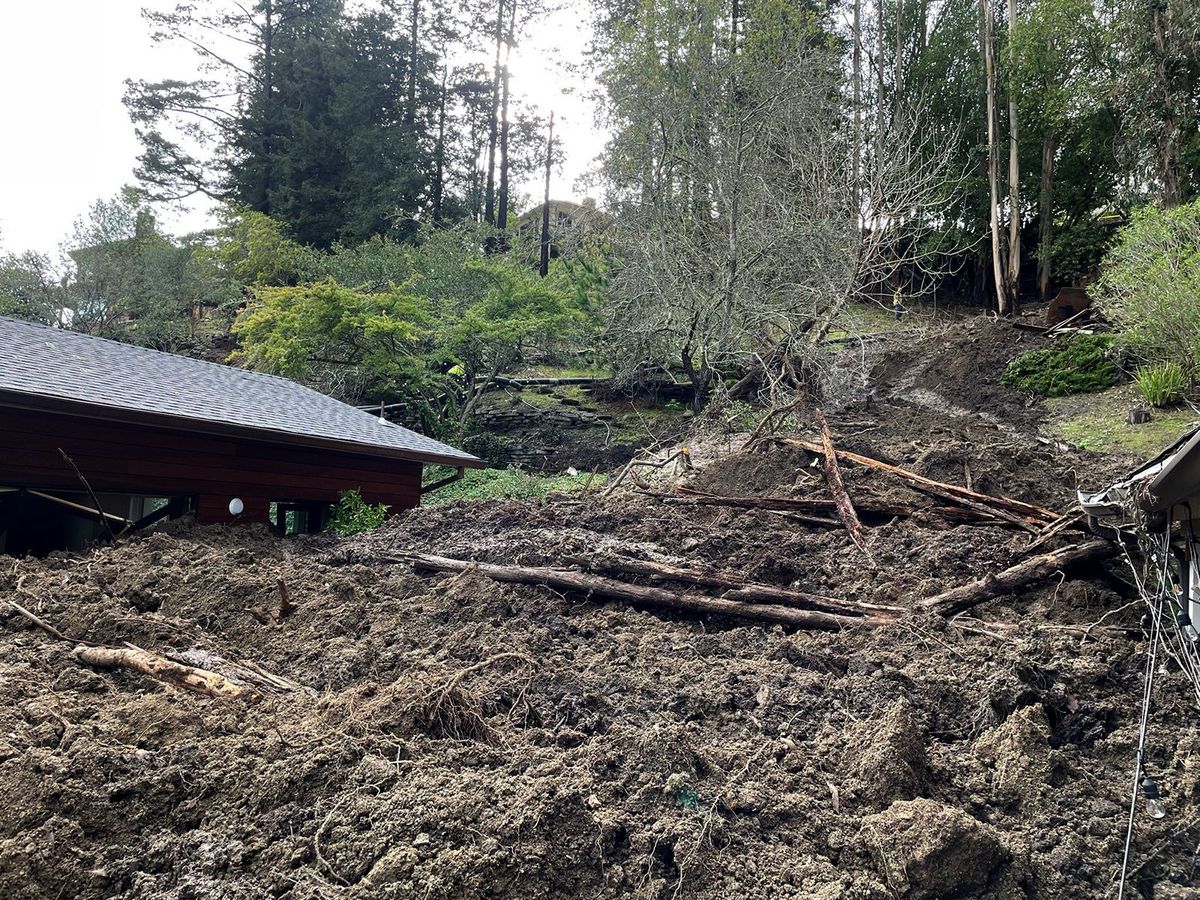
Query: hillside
{"x": 444, "y": 735}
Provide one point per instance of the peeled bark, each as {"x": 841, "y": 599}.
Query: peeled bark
{"x": 999, "y": 273}
{"x": 188, "y": 678}
{"x": 1014, "y": 170}
{"x": 833, "y": 477}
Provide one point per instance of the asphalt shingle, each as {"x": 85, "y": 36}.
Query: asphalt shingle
{"x": 39, "y": 361}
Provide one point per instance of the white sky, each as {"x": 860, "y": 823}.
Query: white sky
{"x": 68, "y": 141}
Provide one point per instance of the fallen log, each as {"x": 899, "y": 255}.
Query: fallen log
{"x": 867, "y": 511}
{"x": 189, "y": 678}
{"x": 963, "y": 597}
{"x": 1025, "y": 514}
{"x": 736, "y": 588}
{"x": 833, "y": 478}
{"x": 639, "y": 595}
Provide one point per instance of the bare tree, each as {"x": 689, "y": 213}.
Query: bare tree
{"x": 787, "y": 233}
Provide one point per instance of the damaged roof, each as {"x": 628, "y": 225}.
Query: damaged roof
{"x": 64, "y": 371}
{"x": 1156, "y": 485}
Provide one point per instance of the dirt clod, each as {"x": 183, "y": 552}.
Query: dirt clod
{"x": 925, "y": 849}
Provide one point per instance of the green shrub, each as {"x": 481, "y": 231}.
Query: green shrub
{"x": 1076, "y": 365}
{"x": 352, "y": 514}
{"x": 1150, "y": 287}
{"x": 492, "y": 448}
{"x": 1162, "y": 384}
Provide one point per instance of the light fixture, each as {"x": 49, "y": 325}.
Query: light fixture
{"x": 1154, "y": 806}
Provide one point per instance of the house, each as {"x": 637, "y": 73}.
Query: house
{"x": 155, "y": 435}
{"x": 1158, "y": 503}
{"x": 570, "y": 223}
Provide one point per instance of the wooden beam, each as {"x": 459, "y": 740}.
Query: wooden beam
{"x": 80, "y": 508}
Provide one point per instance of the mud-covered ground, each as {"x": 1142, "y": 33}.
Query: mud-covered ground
{"x": 467, "y": 739}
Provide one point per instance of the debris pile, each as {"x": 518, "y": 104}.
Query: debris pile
{"x": 720, "y": 688}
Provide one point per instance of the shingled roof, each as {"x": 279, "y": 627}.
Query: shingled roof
{"x": 49, "y": 368}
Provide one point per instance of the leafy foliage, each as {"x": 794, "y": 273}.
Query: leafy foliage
{"x": 347, "y": 341}
{"x": 28, "y": 288}
{"x": 1151, "y": 284}
{"x": 352, "y": 514}
{"x": 1072, "y": 366}
{"x": 1162, "y": 384}
{"x": 440, "y": 337}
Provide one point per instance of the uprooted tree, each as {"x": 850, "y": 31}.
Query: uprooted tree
{"x": 747, "y": 218}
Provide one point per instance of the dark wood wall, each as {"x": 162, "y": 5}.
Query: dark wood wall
{"x": 141, "y": 459}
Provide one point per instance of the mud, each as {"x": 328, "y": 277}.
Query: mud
{"x": 467, "y": 739}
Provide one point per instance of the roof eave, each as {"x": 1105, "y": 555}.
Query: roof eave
{"x": 47, "y": 403}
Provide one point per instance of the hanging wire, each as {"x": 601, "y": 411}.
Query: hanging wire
{"x": 1148, "y": 679}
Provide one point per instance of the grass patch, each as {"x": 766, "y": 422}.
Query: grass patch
{"x": 508, "y": 484}
{"x": 563, "y": 372}
{"x": 1077, "y": 365}
{"x": 1099, "y": 422}
{"x": 1162, "y": 384}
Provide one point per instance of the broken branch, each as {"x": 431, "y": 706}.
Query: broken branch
{"x": 833, "y": 477}
{"x": 638, "y": 595}
{"x": 190, "y": 678}
{"x": 956, "y": 600}
{"x": 1024, "y": 514}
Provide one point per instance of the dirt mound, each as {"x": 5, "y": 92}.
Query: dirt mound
{"x": 956, "y": 369}
{"x": 462, "y": 738}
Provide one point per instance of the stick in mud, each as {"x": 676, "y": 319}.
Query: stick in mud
{"x": 837, "y": 487}
{"x": 190, "y": 678}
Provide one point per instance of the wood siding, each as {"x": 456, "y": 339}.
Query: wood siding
{"x": 141, "y": 459}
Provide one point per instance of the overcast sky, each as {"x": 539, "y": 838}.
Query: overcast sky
{"x": 68, "y": 141}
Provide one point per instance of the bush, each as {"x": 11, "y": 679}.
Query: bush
{"x": 352, "y": 514}
{"x": 1150, "y": 287}
{"x": 1073, "y": 366}
{"x": 1162, "y": 384}
{"x": 492, "y": 448}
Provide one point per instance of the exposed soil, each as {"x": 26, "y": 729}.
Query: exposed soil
{"x": 467, "y": 739}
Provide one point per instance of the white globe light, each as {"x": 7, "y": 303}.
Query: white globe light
{"x": 236, "y": 506}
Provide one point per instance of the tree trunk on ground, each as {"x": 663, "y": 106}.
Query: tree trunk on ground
{"x": 964, "y": 597}
{"x": 638, "y": 595}
{"x": 189, "y": 678}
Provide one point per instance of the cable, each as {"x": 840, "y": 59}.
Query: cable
{"x": 1155, "y": 634}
